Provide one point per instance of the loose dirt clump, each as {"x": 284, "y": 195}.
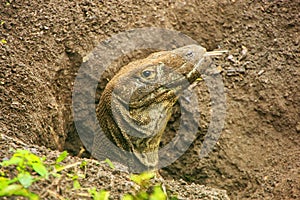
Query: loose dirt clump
{"x": 257, "y": 155}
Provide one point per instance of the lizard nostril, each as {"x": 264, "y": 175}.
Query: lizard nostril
{"x": 189, "y": 54}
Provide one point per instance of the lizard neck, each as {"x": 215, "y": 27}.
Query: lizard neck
{"x": 138, "y": 131}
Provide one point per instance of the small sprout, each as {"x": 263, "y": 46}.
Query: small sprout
{"x": 158, "y": 193}
{"x": 83, "y": 164}
{"x": 25, "y": 163}
{"x": 127, "y": 197}
{"x": 111, "y": 165}
{"x": 76, "y": 184}
{"x": 101, "y": 195}
{"x": 142, "y": 193}
{"x": 23, "y": 159}
{"x": 142, "y": 178}
{"x": 61, "y": 156}
{"x": 3, "y": 41}
{"x": 2, "y": 22}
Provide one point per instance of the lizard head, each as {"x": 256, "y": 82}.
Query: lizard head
{"x": 137, "y": 102}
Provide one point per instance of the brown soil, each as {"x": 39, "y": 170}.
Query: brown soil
{"x": 257, "y": 156}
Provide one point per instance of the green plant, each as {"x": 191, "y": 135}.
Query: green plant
{"x": 30, "y": 168}
{"x": 101, "y": 195}
{"x": 3, "y": 41}
{"x": 25, "y": 168}
{"x": 145, "y": 189}
{"x": 111, "y": 165}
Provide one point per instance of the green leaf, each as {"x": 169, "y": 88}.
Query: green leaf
{"x": 127, "y": 197}
{"x": 76, "y": 184}
{"x": 143, "y": 195}
{"x": 92, "y": 191}
{"x": 2, "y": 173}
{"x": 73, "y": 176}
{"x": 83, "y": 164}
{"x": 62, "y": 156}
{"x": 40, "y": 169}
{"x": 9, "y": 190}
{"x": 158, "y": 194}
{"x": 140, "y": 178}
{"x": 3, "y": 41}
{"x": 59, "y": 167}
{"x": 4, "y": 182}
{"x": 17, "y": 190}
{"x": 13, "y": 161}
{"x": 111, "y": 165}
{"x": 21, "y": 152}
{"x": 31, "y": 158}
{"x": 102, "y": 195}
{"x": 25, "y": 179}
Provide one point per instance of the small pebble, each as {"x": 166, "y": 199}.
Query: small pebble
{"x": 298, "y": 127}
{"x": 261, "y": 72}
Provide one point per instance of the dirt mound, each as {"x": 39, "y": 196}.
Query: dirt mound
{"x": 257, "y": 156}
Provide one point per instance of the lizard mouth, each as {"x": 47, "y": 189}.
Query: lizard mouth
{"x": 155, "y": 94}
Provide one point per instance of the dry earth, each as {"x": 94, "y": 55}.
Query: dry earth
{"x": 257, "y": 156}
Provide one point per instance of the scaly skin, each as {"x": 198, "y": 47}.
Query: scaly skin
{"x": 137, "y": 103}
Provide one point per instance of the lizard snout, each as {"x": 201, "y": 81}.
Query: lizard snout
{"x": 191, "y": 53}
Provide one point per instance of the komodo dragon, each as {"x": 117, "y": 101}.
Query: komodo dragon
{"x": 137, "y": 102}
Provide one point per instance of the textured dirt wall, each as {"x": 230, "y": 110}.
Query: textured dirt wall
{"x": 42, "y": 45}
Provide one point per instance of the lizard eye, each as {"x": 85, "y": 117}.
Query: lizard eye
{"x": 146, "y": 73}
{"x": 149, "y": 74}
